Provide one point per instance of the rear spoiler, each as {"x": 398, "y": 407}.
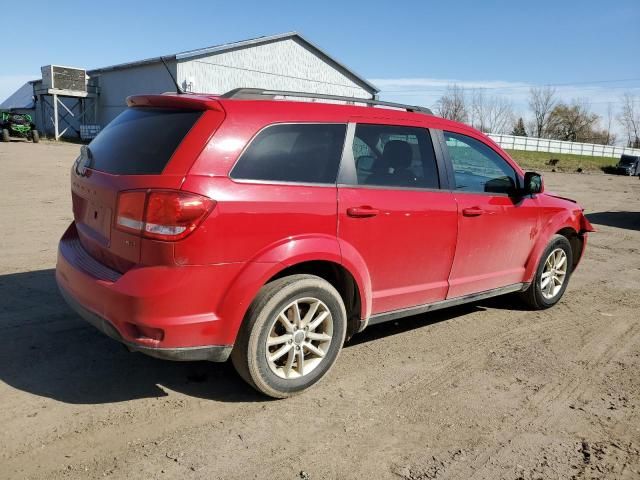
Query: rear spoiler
{"x": 189, "y": 102}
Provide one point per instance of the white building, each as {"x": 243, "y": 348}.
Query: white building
{"x": 284, "y": 62}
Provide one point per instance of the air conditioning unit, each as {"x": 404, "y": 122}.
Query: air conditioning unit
{"x": 64, "y": 78}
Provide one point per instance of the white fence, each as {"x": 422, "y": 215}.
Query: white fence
{"x": 512, "y": 142}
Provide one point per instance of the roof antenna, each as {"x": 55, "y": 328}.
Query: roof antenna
{"x": 175, "y": 82}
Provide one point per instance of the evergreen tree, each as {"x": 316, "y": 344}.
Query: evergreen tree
{"x": 518, "y": 129}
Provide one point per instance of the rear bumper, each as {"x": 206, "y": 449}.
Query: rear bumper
{"x": 212, "y": 353}
{"x": 167, "y": 312}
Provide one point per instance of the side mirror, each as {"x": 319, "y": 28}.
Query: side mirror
{"x": 532, "y": 183}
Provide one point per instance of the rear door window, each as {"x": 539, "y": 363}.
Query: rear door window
{"x": 394, "y": 156}
{"x": 140, "y": 141}
{"x": 301, "y": 153}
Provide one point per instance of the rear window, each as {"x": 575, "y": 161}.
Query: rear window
{"x": 140, "y": 141}
{"x": 304, "y": 153}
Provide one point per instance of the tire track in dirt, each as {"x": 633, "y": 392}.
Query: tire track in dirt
{"x": 543, "y": 401}
{"x": 455, "y": 367}
{"x": 416, "y": 386}
{"x": 204, "y": 414}
{"x": 407, "y": 392}
{"x": 474, "y": 347}
{"x": 606, "y": 347}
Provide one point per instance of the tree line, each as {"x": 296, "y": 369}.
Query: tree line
{"x": 549, "y": 117}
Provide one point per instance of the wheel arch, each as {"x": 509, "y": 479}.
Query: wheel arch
{"x": 577, "y": 244}
{"x": 566, "y": 224}
{"x": 315, "y": 255}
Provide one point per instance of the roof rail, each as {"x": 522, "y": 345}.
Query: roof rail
{"x": 259, "y": 93}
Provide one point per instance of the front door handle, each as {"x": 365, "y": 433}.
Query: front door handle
{"x": 362, "y": 212}
{"x": 472, "y": 212}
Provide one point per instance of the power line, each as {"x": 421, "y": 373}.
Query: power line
{"x": 513, "y": 87}
{"x": 439, "y": 90}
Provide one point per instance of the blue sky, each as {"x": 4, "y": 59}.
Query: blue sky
{"x": 410, "y": 49}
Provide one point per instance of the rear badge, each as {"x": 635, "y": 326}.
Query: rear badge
{"x": 83, "y": 161}
{"x": 130, "y": 243}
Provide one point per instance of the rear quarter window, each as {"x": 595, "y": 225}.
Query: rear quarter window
{"x": 140, "y": 141}
{"x": 301, "y": 153}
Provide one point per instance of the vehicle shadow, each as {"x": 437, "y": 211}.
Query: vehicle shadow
{"x": 20, "y": 140}
{"x": 627, "y": 220}
{"x": 402, "y": 325}
{"x": 47, "y": 350}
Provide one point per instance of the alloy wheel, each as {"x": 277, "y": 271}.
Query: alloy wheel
{"x": 299, "y": 338}
{"x": 554, "y": 273}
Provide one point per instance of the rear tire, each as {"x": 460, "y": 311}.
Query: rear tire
{"x": 274, "y": 352}
{"x": 554, "y": 267}
{"x": 35, "y": 136}
{"x": 5, "y": 135}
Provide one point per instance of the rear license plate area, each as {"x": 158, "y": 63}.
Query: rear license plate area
{"x": 97, "y": 218}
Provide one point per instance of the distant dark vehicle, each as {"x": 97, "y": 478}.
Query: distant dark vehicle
{"x": 18, "y": 125}
{"x": 628, "y": 165}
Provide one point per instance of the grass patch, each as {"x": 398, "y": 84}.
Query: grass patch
{"x": 567, "y": 162}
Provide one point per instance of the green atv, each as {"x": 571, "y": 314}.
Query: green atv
{"x": 18, "y": 125}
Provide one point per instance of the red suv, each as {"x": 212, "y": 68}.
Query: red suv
{"x": 270, "y": 230}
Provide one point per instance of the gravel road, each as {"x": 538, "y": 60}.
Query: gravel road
{"x": 483, "y": 391}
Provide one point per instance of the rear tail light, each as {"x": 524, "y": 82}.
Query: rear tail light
{"x": 130, "y": 216}
{"x": 161, "y": 214}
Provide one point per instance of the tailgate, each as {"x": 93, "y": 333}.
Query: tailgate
{"x": 138, "y": 150}
{"x": 95, "y": 197}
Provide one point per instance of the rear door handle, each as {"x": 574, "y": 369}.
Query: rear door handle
{"x": 472, "y": 212}
{"x": 362, "y": 212}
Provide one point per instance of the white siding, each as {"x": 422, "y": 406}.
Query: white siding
{"x": 282, "y": 65}
{"x": 117, "y": 85}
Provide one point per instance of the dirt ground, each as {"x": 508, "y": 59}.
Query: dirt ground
{"x": 484, "y": 391}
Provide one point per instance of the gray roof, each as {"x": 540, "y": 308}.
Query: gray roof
{"x": 21, "y": 98}
{"x": 244, "y": 44}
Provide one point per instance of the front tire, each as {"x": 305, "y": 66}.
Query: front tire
{"x": 552, "y": 275}
{"x": 291, "y": 336}
{"x": 5, "y": 135}
{"x": 35, "y": 136}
